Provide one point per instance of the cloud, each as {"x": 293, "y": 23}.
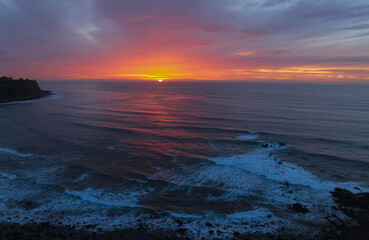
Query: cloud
{"x": 357, "y": 27}
{"x": 212, "y": 34}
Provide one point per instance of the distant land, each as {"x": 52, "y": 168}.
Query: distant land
{"x": 19, "y": 89}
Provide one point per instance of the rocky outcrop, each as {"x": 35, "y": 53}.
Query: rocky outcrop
{"x": 356, "y": 207}
{"x": 20, "y": 89}
{"x": 353, "y": 205}
{"x": 299, "y": 208}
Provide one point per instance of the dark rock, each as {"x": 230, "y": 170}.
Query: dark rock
{"x": 281, "y": 144}
{"x": 348, "y": 199}
{"x": 18, "y": 90}
{"x": 89, "y": 226}
{"x": 299, "y": 208}
{"x": 181, "y": 230}
{"x": 208, "y": 224}
{"x": 29, "y": 205}
{"x": 180, "y": 223}
{"x": 45, "y": 225}
{"x": 265, "y": 145}
{"x": 353, "y": 205}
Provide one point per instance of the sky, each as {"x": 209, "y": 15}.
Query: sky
{"x": 297, "y": 40}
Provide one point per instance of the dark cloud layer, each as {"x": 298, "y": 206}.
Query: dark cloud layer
{"x": 233, "y": 34}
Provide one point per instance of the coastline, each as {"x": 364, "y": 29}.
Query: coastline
{"x": 12, "y": 90}
{"x": 355, "y": 206}
{"x": 45, "y": 230}
{"x": 32, "y": 97}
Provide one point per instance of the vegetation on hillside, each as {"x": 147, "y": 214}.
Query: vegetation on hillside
{"x": 5, "y": 78}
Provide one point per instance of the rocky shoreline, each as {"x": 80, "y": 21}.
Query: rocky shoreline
{"x": 46, "y": 231}
{"x": 19, "y": 89}
{"x": 354, "y": 206}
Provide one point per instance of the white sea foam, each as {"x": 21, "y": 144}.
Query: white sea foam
{"x": 251, "y": 215}
{"x": 250, "y": 136}
{"x": 14, "y": 152}
{"x": 256, "y": 174}
{"x": 8, "y": 175}
{"x": 260, "y": 179}
{"x": 92, "y": 207}
{"x": 82, "y": 177}
{"x": 185, "y": 215}
{"x": 261, "y": 162}
{"x": 126, "y": 199}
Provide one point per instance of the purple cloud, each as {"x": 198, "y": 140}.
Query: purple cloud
{"x": 218, "y": 32}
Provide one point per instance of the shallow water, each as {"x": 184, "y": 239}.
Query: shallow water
{"x": 111, "y": 153}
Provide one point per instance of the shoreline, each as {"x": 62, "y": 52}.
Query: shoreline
{"x": 12, "y": 90}
{"x": 45, "y": 230}
{"x": 354, "y": 206}
{"x": 32, "y": 97}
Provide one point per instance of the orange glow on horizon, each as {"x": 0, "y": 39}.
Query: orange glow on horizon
{"x": 181, "y": 67}
{"x": 178, "y": 66}
{"x": 153, "y": 68}
{"x": 182, "y": 40}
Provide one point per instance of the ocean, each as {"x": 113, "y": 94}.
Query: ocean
{"x": 213, "y": 157}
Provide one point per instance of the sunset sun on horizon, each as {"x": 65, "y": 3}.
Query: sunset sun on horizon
{"x": 292, "y": 40}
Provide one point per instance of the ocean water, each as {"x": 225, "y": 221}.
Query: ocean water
{"x": 221, "y": 156}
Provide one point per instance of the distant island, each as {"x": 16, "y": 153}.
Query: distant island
{"x": 19, "y": 89}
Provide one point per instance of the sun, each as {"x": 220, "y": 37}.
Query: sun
{"x": 160, "y": 80}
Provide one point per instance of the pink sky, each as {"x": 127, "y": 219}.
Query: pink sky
{"x": 185, "y": 39}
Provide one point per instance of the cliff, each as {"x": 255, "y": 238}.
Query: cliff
{"x": 18, "y": 90}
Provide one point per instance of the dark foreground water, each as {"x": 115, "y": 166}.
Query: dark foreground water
{"x": 197, "y": 155}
